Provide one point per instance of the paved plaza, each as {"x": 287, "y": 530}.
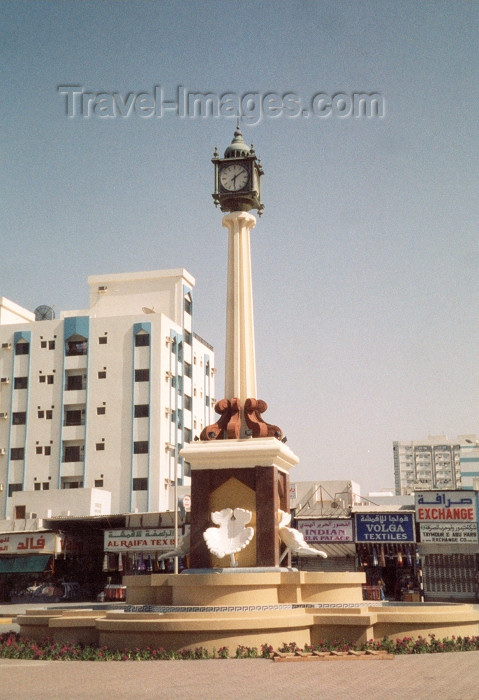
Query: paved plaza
{"x": 452, "y": 676}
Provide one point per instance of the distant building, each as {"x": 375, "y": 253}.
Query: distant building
{"x": 435, "y": 463}
{"x": 102, "y": 400}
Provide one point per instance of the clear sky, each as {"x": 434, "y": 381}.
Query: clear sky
{"x": 366, "y": 259}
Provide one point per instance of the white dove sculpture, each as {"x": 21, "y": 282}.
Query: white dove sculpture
{"x": 294, "y": 540}
{"x": 232, "y": 535}
{"x": 181, "y": 550}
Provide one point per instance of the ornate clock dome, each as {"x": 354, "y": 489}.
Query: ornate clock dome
{"x": 237, "y": 148}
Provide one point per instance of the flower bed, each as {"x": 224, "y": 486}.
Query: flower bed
{"x": 14, "y": 646}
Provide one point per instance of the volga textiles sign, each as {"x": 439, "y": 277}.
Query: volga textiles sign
{"x": 384, "y": 527}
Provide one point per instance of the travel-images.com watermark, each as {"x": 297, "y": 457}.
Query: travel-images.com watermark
{"x": 250, "y": 107}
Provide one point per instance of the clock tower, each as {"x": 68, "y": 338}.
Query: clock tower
{"x": 240, "y": 461}
{"x": 238, "y": 177}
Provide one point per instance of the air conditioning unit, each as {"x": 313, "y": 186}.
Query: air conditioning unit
{"x": 102, "y": 289}
{"x": 3, "y": 415}
{"x": 169, "y": 411}
{"x": 168, "y": 340}
{"x": 169, "y": 375}
{"x": 3, "y": 451}
{"x": 169, "y": 446}
{"x": 5, "y": 380}
{"x": 6, "y": 346}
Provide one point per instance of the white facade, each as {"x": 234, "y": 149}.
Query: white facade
{"x": 103, "y": 398}
{"x": 434, "y": 463}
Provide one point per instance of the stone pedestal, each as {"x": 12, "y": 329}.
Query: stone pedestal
{"x": 244, "y": 473}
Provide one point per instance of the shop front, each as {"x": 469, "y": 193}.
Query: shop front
{"x": 27, "y": 564}
{"x": 333, "y": 536}
{"x": 136, "y": 551}
{"x": 386, "y": 551}
{"x": 448, "y": 543}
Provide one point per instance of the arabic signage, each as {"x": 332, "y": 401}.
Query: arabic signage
{"x": 326, "y": 530}
{"x": 29, "y": 543}
{"x": 134, "y": 540}
{"x": 448, "y": 532}
{"x": 384, "y": 527}
{"x": 445, "y": 506}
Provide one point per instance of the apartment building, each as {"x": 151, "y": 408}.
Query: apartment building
{"x": 102, "y": 399}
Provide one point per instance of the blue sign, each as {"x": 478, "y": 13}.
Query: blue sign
{"x": 384, "y": 527}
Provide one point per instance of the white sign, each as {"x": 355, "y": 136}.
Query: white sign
{"x": 30, "y": 543}
{"x": 445, "y": 506}
{"x": 160, "y": 539}
{"x": 448, "y": 532}
{"x": 326, "y": 530}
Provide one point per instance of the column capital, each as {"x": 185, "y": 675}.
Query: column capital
{"x": 234, "y": 218}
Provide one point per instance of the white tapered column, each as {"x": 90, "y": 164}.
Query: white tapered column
{"x": 240, "y": 369}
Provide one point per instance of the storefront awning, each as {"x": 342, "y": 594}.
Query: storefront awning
{"x": 35, "y": 563}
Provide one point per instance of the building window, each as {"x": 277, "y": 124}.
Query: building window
{"x": 48, "y": 450}
{"x": 22, "y": 348}
{"x": 72, "y": 453}
{"x": 41, "y": 414}
{"x": 71, "y": 484}
{"x": 48, "y": 415}
{"x": 19, "y": 418}
{"x": 140, "y": 447}
{"x": 14, "y": 487}
{"x": 45, "y": 486}
{"x": 100, "y": 446}
{"x": 74, "y": 417}
{"x": 142, "y": 375}
{"x": 98, "y": 483}
{"x": 188, "y": 435}
{"x": 142, "y": 339}
{"x": 39, "y": 450}
{"x": 51, "y": 345}
{"x": 74, "y": 382}
{"x": 102, "y": 374}
{"x": 142, "y": 410}
{"x": 76, "y": 347}
{"x": 37, "y": 486}
{"x": 187, "y": 369}
{"x": 140, "y": 484}
{"x": 101, "y": 410}
{"x": 42, "y": 378}
{"x": 50, "y": 378}
{"x": 187, "y": 402}
{"x": 188, "y": 337}
{"x": 20, "y": 383}
{"x": 103, "y": 340}
{"x": 17, "y": 453}
{"x": 43, "y": 344}
{"x": 188, "y": 304}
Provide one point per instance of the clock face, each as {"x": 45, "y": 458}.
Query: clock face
{"x": 234, "y": 177}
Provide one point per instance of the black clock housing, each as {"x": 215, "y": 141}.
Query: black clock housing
{"x": 247, "y": 197}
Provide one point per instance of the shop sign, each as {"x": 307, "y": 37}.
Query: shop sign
{"x": 448, "y": 532}
{"x": 29, "y": 543}
{"x": 384, "y": 527}
{"x": 326, "y": 530}
{"x": 445, "y": 506}
{"x": 130, "y": 539}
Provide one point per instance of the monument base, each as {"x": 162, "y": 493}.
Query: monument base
{"x": 231, "y": 609}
